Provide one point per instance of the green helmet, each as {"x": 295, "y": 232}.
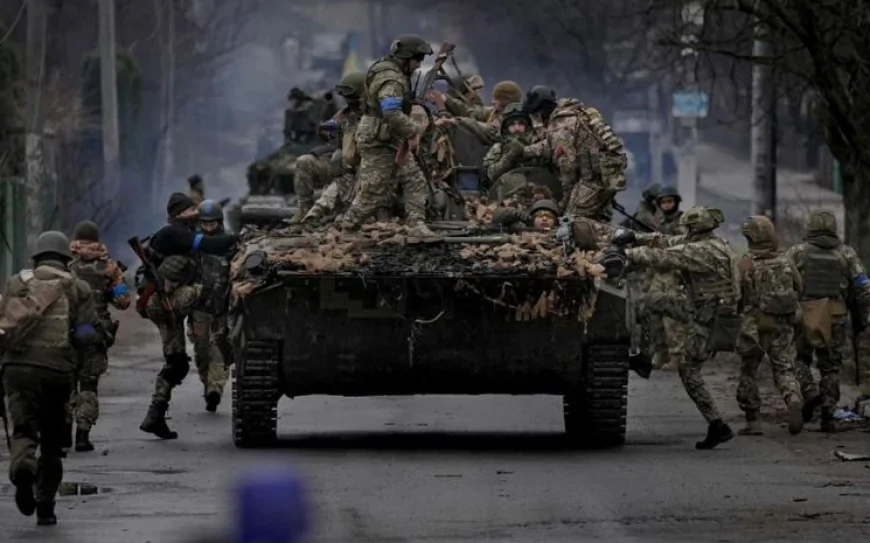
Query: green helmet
{"x": 410, "y": 46}
{"x": 546, "y": 205}
{"x": 701, "y": 219}
{"x": 822, "y": 220}
{"x": 511, "y": 113}
{"x": 352, "y": 85}
{"x": 53, "y": 242}
{"x": 175, "y": 268}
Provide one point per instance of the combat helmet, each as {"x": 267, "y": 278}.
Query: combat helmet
{"x": 352, "y": 85}
{"x": 54, "y": 243}
{"x": 511, "y": 113}
{"x": 545, "y": 205}
{"x": 822, "y": 221}
{"x": 409, "y": 46}
{"x": 540, "y": 99}
{"x": 759, "y": 232}
{"x": 210, "y": 211}
{"x": 701, "y": 219}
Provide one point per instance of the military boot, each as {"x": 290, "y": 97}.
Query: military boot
{"x": 753, "y": 425}
{"x": 809, "y": 409}
{"x": 829, "y": 423}
{"x": 795, "y": 415}
{"x": 45, "y": 514}
{"x": 83, "y": 440}
{"x": 212, "y": 400}
{"x": 718, "y": 432}
{"x": 155, "y": 423}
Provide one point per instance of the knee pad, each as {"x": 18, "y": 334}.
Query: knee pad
{"x": 176, "y": 368}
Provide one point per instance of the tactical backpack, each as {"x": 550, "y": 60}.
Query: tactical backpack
{"x": 773, "y": 280}
{"x": 22, "y": 314}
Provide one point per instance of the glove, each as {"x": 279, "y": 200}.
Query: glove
{"x": 614, "y": 262}
{"x": 624, "y": 237}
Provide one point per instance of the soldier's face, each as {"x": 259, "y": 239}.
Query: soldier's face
{"x": 518, "y": 128}
{"x": 210, "y": 227}
{"x": 667, "y": 204}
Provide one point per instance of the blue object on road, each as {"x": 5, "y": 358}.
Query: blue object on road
{"x": 271, "y": 506}
{"x": 690, "y": 104}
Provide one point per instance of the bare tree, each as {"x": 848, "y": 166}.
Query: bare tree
{"x": 820, "y": 46}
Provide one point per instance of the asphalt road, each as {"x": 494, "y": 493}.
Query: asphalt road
{"x": 454, "y": 469}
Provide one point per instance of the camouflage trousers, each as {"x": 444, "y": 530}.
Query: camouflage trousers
{"x": 84, "y": 401}
{"x": 204, "y": 332}
{"x": 380, "y": 179}
{"x": 776, "y": 341}
{"x": 312, "y": 172}
{"x": 170, "y": 324}
{"x": 829, "y": 361}
{"x": 676, "y": 306}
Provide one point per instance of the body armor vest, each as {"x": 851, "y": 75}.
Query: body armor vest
{"x": 822, "y": 274}
{"x": 216, "y": 284}
{"x": 94, "y": 274}
{"x": 371, "y": 104}
{"x": 53, "y": 329}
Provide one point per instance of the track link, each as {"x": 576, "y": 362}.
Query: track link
{"x": 255, "y": 395}
{"x": 595, "y": 415}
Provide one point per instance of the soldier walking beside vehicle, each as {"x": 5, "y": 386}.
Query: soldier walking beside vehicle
{"x": 835, "y": 282}
{"x": 56, "y": 320}
{"x": 91, "y": 264}
{"x": 770, "y": 291}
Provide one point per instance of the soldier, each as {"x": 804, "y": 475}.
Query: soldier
{"x": 647, "y": 208}
{"x": 208, "y": 320}
{"x": 834, "y": 279}
{"x": 507, "y": 154}
{"x": 589, "y": 157}
{"x": 197, "y": 188}
{"x": 667, "y": 218}
{"x": 664, "y": 332}
{"x": 175, "y": 246}
{"x": 770, "y": 290}
{"x": 91, "y": 263}
{"x": 317, "y": 169}
{"x": 706, "y": 304}
{"x": 38, "y": 370}
{"x": 382, "y": 131}
{"x": 542, "y": 217}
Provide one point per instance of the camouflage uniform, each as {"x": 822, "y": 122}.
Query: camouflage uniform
{"x": 832, "y": 276}
{"x": 38, "y": 372}
{"x": 507, "y": 153}
{"x": 708, "y": 283}
{"x": 770, "y": 290}
{"x": 590, "y": 158}
{"x": 385, "y": 126}
{"x": 92, "y": 264}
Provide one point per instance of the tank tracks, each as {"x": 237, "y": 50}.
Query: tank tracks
{"x": 255, "y": 395}
{"x": 595, "y": 414}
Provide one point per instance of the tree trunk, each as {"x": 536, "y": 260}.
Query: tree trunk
{"x": 35, "y": 120}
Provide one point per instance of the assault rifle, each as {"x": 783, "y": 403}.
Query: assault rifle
{"x": 423, "y": 87}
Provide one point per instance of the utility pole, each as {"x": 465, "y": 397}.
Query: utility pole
{"x": 35, "y": 121}
{"x": 109, "y": 103}
{"x": 762, "y": 134}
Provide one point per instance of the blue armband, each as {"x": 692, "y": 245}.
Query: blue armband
{"x": 391, "y": 104}
{"x": 197, "y": 241}
{"x": 85, "y": 331}
{"x": 862, "y": 280}
{"x": 120, "y": 290}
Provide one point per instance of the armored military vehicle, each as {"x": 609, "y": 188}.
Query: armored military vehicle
{"x": 469, "y": 311}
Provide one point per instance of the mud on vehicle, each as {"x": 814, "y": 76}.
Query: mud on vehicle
{"x": 466, "y": 312}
